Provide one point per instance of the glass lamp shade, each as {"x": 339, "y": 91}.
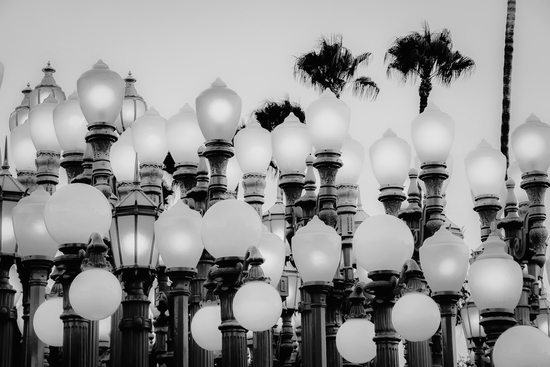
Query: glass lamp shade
{"x": 29, "y": 225}
{"x": 273, "y": 250}
{"x": 184, "y": 136}
{"x": 230, "y": 227}
{"x": 432, "y": 134}
{"x": 101, "y": 92}
{"x": 253, "y": 148}
{"x": 133, "y": 106}
{"x": 204, "y": 327}
{"x": 22, "y": 148}
{"x": 390, "y": 158}
{"x": 416, "y": 317}
{"x": 353, "y": 157}
{"x": 444, "y": 258}
{"x": 495, "y": 278}
{"x": 233, "y": 173}
{"x": 95, "y": 294}
{"x": 522, "y": 346}
{"x": 382, "y": 242}
{"x": 328, "y": 120}
{"x": 47, "y": 324}
{"x": 257, "y": 306}
{"x": 178, "y": 236}
{"x": 294, "y": 283}
{"x": 70, "y": 125}
{"x": 291, "y": 145}
{"x": 46, "y": 88}
{"x": 218, "y": 111}
{"x": 105, "y": 329}
{"x": 470, "y": 320}
{"x": 149, "y": 137}
{"x": 316, "y": 248}
{"x": 132, "y": 231}
{"x": 543, "y": 318}
{"x": 485, "y": 170}
{"x": 15, "y": 282}
{"x": 123, "y": 157}
{"x": 515, "y": 174}
{"x": 42, "y": 127}
{"x": 530, "y": 143}
{"x": 354, "y": 340}
{"x": 76, "y": 211}
{"x": 21, "y": 112}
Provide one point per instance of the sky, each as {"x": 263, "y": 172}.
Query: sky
{"x": 175, "y": 49}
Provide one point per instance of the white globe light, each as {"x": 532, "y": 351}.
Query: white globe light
{"x": 273, "y": 250}
{"x": 42, "y": 126}
{"x": 105, "y": 329}
{"x": 432, "y": 134}
{"x": 184, "y": 135}
{"x": 253, "y": 148}
{"x": 70, "y": 125}
{"x": 522, "y": 346}
{"x": 354, "y": 340}
{"x": 47, "y": 324}
{"x": 353, "y": 157}
{"x": 383, "y": 242}
{"x": 76, "y": 211}
{"x": 230, "y": 227}
{"x": 485, "y": 169}
{"x": 149, "y": 137}
{"x": 95, "y": 294}
{"x": 123, "y": 157}
{"x": 204, "y": 327}
{"x": 416, "y": 317}
{"x": 22, "y": 148}
{"x": 390, "y": 158}
{"x": 530, "y": 143}
{"x": 291, "y": 145}
{"x": 257, "y": 306}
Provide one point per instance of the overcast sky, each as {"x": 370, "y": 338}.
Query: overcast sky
{"x": 175, "y": 49}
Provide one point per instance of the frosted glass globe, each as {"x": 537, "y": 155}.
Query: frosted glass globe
{"x": 522, "y": 346}
{"x": 353, "y": 158}
{"x": 354, "y": 340}
{"x": 257, "y": 306}
{"x": 204, "y": 327}
{"x": 416, "y": 317}
{"x": 383, "y": 242}
{"x": 70, "y": 125}
{"x": 105, "y": 329}
{"x": 76, "y": 211}
{"x": 22, "y": 148}
{"x": 291, "y": 145}
{"x": 47, "y": 324}
{"x": 432, "y": 134}
{"x": 328, "y": 120}
{"x": 95, "y": 294}
{"x": 253, "y": 148}
{"x": 230, "y": 227}
{"x": 530, "y": 143}
{"x": 149, "y": 137}
{"x": 42, "y": 127}
{"x": 485, "y": 170}
{"x": 390, "y": 158}
{"x": 123, "y": 157}
{"x": 178, "y": 236}
{"x": 273, "y": 250}
{"x": 184, "y": 136}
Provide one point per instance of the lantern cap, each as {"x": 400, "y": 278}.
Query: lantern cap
{"x": 494, "y": 247}
{"x": 443, "y": 235}
{"x": 187, "y": 109}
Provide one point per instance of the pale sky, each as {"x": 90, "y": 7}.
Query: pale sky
{"x": 175, "y": 49}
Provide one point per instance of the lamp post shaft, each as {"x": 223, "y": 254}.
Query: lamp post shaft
{"x": 72, "y": 163}
{"x": 448, "y": 305}
{"x": 333, "y": 321}
{"x": 285, "y": 351}
{"x": 293, "y": 185}
{"x": 327, "y": 163}
{"x": 318, "y": 292}
{"x": 305, "y": 312}
{"x": 217, "y": 152}
{"x": 7, "y": 314}
{"x": 27, "y": 179}
{"x": 151, "y": 181}
{"x": 180, "y": 292}
{"x": 434, "y": 175}
{"x": 47, "y": 170}
{"x": 254, "y": 187}
{"x": 101, "y": 136}
{"x": 185, "y": 177}
{"x": 346, "y": 209}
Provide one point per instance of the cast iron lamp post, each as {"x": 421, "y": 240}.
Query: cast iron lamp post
{"x": 473, "y": 331}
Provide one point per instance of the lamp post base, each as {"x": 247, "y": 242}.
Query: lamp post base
{"x": 318, "y": 292}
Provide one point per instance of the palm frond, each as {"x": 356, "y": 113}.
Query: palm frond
{"x": 364, "y": 87}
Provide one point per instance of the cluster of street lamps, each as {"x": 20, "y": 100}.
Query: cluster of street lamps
{"x": 318, "y": 285}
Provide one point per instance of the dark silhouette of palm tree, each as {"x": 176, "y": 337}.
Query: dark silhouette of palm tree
{"x": 428, "y": 56}
{"x": 507, "y": 79}
{"x": 333, "y": 66}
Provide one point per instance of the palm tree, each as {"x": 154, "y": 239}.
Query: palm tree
{"x": 428, "y": 56}
{"x": 507, "y": 78}
{"x": 333, "y": 66}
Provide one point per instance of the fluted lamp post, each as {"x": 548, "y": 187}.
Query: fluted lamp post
{"x": 317, "y": 252}
{"x": 444, "y": 259}
{"x": 218, "y": 113}
{"x": 228, "y": 229}
{"x": 71, "y": 215}
{"x": 178, "y": 237}
{"x": 135, "y": 256}
{"x": 382, "y": 244}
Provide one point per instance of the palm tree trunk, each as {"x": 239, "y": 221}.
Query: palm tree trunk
{"x": 507, "y": 78}
{"x": 424, "y": 92}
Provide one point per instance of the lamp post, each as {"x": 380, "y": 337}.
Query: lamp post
{"x": 473, "y": 331}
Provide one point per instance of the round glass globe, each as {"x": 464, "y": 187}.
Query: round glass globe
{"x": 253, "y": 148}
{"x": 22, "y": 148}
{"x": 205, "y": 327}
{"x": 416, "y": 317}
{"x": 178, "y": 236}
{"x": 47, "y": 323}
{"x": 76, "y": 211}
{"x": 273, "y": 251}
{"x": 291, "y": 145}
{"x": 354, "y": 340}
{"x": 432, "y": 134}
{"x": 328, "y": 120}
{"x": 95, "y": 294}
{"x": 485, "y": 170}
{"x": 522, "y": 346}
{"x": 257, "y": 306}
{"x": 530, "y": 143}
{"x": 353, "y": 157}
{"x": 390, "y": 158}
{"x": 383, "y": 242}
{"x": 29, "y": 226}
{"x": 149, "y": 137}
{"x": 70, "y": 125}
{"x": 184, "y": 136}
{"x": 230, "y": 227}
